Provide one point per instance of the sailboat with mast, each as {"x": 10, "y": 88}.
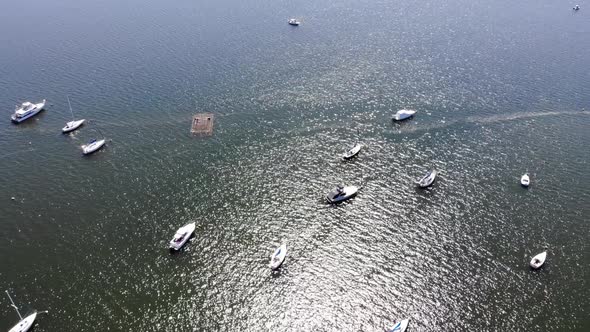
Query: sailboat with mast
{"x": 74, "y": 124}
{"x": 25, "y": 323}
{"x": 94, "y": 144}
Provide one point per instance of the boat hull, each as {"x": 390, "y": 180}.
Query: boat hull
{"x": 38, "y": 108}
{"x": 189, "y": 229}
{"x": 525, "y": 181}
{"x": 538, "y": 260}
{"x": 25, "y": 324}
{"x": 352, "y": 152}
{"x": 349, "y": 192}
{"x": 278, "y": 257}
{"x": 93, "y": 147}
{"x": 427, "y": 180}
{"x": 73, "y": 125}
{"x": 403, "y": 115}
{"x": 401, "y": 326}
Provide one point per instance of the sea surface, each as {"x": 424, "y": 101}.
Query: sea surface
{"x": 501, "y": 88}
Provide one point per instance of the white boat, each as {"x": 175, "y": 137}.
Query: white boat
{"x": 538, "y": 260}
{"x": 27, "y": 110}
{"x": 525, "y": 180}
{"x": 278, "y": 257}
{"x": 427, "y": 180}
{"x": 294, "y": 21}
{"x": 341, "y": 193}
{"x": 182, "y": 235}
{"x": 352, "y": 152}
{"x": 403, "y": 114}
{"x": 74, "y": 124}
{"x": 577, "y": 7}
{"x": 401, "y": 326}
{"x": 92, "y": 146}
{"x": 24, "y": 324}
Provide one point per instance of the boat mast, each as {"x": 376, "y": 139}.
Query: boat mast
{"x": 100, "y": 132}
{"x": 70, "y": 107}
{"x": 14, "y": 305}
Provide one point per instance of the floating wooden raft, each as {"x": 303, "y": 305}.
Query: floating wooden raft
{"x": 202, "y": 124}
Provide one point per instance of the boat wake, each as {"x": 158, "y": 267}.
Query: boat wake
{"x": 487, "y": 120}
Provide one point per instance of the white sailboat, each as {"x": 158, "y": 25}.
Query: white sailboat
{"x": 352, "y": 152}
{"x": 403, "y": 114}
{"x": 278, "y": 257}
{"x": 538, "y": 260}
{"x": 93, "y": 146}
{"x": 74, "y": 124}
{"x": 24, "y": 324}
{"x": 525, "y": 181}
{"x": 401, "y": 326}
{"x": 427, "y": 180}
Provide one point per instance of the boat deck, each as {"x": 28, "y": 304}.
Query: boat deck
{"x": 202, "y": 124}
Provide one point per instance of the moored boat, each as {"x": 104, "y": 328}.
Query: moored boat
{"x": 525, "y": 181}
{"x": 403, "y": 114}
{"x": 92, "y": 146}
{"x": 74, "y": 124}
{"x": 427, "y": 179}
{"x": 538, "y": 260}
{"x": 278, "y": 257}
{"x": 352, "y": 152}
{"x": 182, "y": 235}
{"x": 341, "y": 193}
{"x": 24, "y": 324}
{"x": 26, "y": 111}
{"x": 401, "y": 326}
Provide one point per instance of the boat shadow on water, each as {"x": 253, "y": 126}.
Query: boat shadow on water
{"x": 426, "y": 192}
{"x": 327, "y": 204}
{"x": 276, "y": 273}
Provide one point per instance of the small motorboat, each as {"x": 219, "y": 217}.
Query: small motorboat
{"x": 341, "y": 193}
{"x": 352, "y": 152}
{"x": 538, "y": 260}
{"x": 427, "y": 179}
{"x": 278, "y": 257}
{"x": 24, "y": 324}
{"x": 294, "y": 22}
{"x": 182, "y": 235}
{"x": 92, "y": 146}
{"x": 525, "y": 181}
{"x": 577, "y": 7}
{"x": 27, "y": 110}
{"x": 403, "y": 115}
{"x": 74, "y": 124}
{"x": 401, "y": 326}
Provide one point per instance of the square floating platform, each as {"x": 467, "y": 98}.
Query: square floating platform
{"x": 202, "y": 124}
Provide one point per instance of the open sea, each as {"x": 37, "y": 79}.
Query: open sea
{"x": 500, "y": 87}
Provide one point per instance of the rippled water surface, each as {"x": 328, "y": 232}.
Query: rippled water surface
{"x": 501, "y": 89}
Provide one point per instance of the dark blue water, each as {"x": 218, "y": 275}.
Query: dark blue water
{"x": 501, "y": 88}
